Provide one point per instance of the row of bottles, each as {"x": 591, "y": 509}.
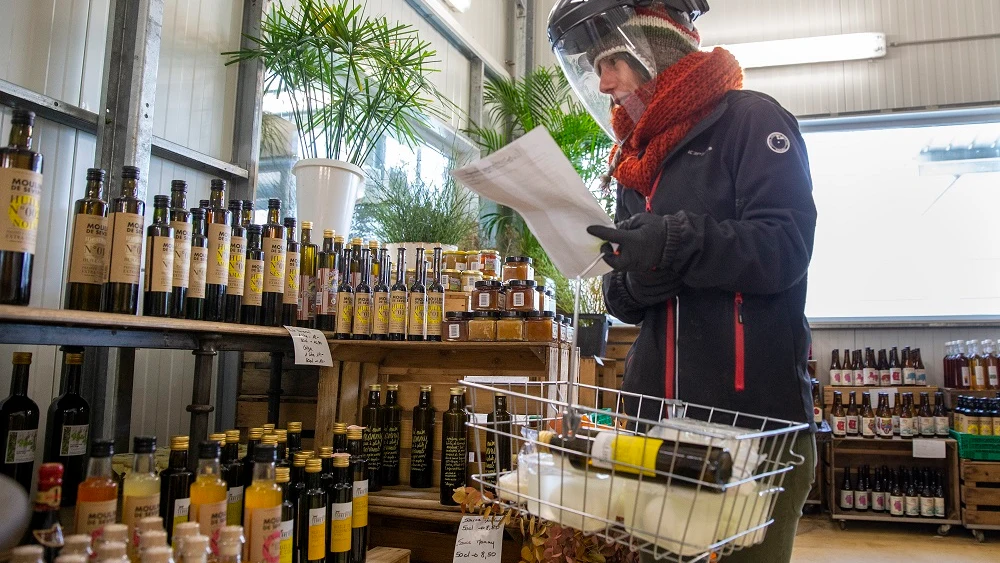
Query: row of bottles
{"x": 903, "y": 418}
{"x": 971, "y": 365}
{"x": 977, "y": 415}
{"x": 908, "y": 492}
{"x": 885, "y": 371}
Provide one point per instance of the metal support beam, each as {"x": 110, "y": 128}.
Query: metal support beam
{"x": 226, "y": 389}
{"x": 47, "y": 108}
{"x": 182, "y": 155}
{"x": 249, "y": 93}
{"x": 517, "y": 60}
{"x": 530, "y": 15}
{"x": 436, "y": 14}
{"x": 201, "y": 395}
{"x": 477, "y": 84}
{"x": 131, "y": 62}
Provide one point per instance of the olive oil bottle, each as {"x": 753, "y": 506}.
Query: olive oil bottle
{"x": 19, "y": 425}
{"x": 345, "y": 299}
{"x": 293, "y": 258}
{"x": 312, "y": 515}
{"x": 287, "y": 537}
{"x": 380, "y": 299}
{"x": 339, "y": 437}
{"x": 88, "y": 257}
{"x": 307, "y": 278}
{"x": 21, "y": 191}
{"x": 159, "y": 279}
{"x": 327, "y": 280}
{"x": 180, "y": 221}
{"x": 371, "y": 419}
{"x": 232, "y": 473}
{"x": 219, "y": 240}
{"x": 497, "y": 457}
{"x": 68, "y": 427}
{"x": 194, "y": 308}
{"x": 274, "y": 264}
{"x": 359, "y": 502}
{"x": 392, "y": 416}
{"x": 253, "y": 294}
{"x": 454, "y": 446}
{"x": 417, "y": 330}
{"x": 422, "y": 441}
{"x": 398, "y": 300}
{"x": 236, "y": 284}
{"x": 121, "y": 290}
{"x": 341, "y": 509}
{"x": 355, "y": 262}
{"x": 362, "y": 327}
{"x": 175, "y": 486}
{"x": 435, "y": 301}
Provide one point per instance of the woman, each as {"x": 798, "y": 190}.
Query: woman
{"x": 715, "y": 222}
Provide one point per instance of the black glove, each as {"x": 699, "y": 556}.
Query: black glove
{"x": 653, "y": 288}
{"x": 641, "y": 239}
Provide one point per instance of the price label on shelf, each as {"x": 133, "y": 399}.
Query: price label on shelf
{"x": 933, "y": 449}
{"x": 480, "y": 538}
{"x": 311, "y": 347}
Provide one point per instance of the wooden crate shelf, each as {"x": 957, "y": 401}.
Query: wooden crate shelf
{"x": 981, "y": 495}
{"x": 846, "y": 391}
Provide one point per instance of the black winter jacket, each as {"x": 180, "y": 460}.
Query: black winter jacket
{"x": 724, "y": 324}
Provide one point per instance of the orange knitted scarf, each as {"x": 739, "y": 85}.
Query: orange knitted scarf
{"x": 679, "y": 98}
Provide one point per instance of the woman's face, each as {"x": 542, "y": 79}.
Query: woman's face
{"x": 618, "y": 79}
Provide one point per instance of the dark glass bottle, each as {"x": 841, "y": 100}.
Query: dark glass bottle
{"x": 253, "y": 294}
{"x": 175, "y": 486}
{"x": 21, "y": 186}
{"x": 354, "y": 270}
{"x": 422, "y": 441}
{"x": 88, "y": 257}
{"x": 204, "y": 203}
{"x": 307, "y": 278}
{"x": 180, "y": 221}
{"x": 339, "y": 515}
{"x": 417, "y": 329}
{"x": 326, "y": 474}
{"x": 884, "y": 377}
{"x": 45, "y": 529}
{"x": 852, "y": 415}
{"x": 371, "y": 419}
{"x": 194, "y": 308}
{"x": 940, "y": 416}
{"x": 339, "y": 437}
{"x": 361, "y": 328}
{"x": 294, "y": 438}
{"x": 296, "y": 490}
{"x": 288, "y": 543}
{"x": 497, "y": 456}
{"x": 232, "y": 474}
{"x": 454, "y": 446}
{"x": 236, "y": 283}
{"x": 846, "y": 490}
{"x": 345, "y": 299}
{"x": 392, "y": 418}
{"x": 159, "y": 279}
{"x": 253, "y": 440}
{"x": 327, "y": 280}
{"x": 359, "y": 476}
{"x": 312, "y": 516}
{"x": 246, "y": 218}
{"x": 911, "y": 498}
{"x": 435, "y": 301}
{"x": 398, "y": 300}
{"x": 895, "y": 368}
{"x": 68, "y": 428}
{"x": 19, "y": 425}
{"x": 273, "y": 241}
{"x": 217, "y": 219}
{"x": 293, "y": 265}
{"x": 121, "y": 291}
{"x": 380, "y": 299}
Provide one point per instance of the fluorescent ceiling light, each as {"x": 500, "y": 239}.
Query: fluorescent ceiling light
{"x": 806, "y": 50}
{"x": 458, "y": 5}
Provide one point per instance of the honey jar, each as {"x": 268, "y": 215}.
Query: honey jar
{"x": 518, "y": 268}
{"x": 521, "y": 295}
{"x": 488, "y": 296}
{"x": 510, "y": 327}
{"x": 483, "y": 326}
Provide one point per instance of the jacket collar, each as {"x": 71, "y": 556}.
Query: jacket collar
{"x": 700, "y": 127}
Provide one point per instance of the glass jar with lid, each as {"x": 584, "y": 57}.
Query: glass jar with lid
{"x": 521, "y": 295}
{"x": 470, "y": 278}
{"x": 483, "y": 326}
{"x": 550, "y": 299}
{"x": 449, "y": 259}
{"x": 455, "y": 327}
{"x": 473, "y": 260}
{"x": 510, "y": 327}
{"x": 451, "y": 279}
{"x": 563, "y": 327}
{"x": 488, "y": 296}
{"x": 540, "y": 326}
{"x": 491, "y": 263}
{"x": 518, "y": 268}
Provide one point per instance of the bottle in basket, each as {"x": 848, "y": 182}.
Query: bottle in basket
{"x": 498, "y": 441}
{"x": 454, "y": 446}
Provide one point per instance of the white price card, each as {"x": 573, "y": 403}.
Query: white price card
{"x": 933, "y": 449}
{"x": 480, "y": 538}
{"x": 311, "y": 347}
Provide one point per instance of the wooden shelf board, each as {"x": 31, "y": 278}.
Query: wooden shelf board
{"x": 836, "y": 515}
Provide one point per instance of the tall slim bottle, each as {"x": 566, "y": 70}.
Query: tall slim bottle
{"x": 836, "y": 371}
{"x": 977, "y": 367}
{"x": 236, "y": 284}
{"x": 19, "y": 425}
{"x": 293, "y": 264}
{"x": 68, "y": 428}
{"x": 359, "y": 502}
{"x": 392, "y": 418}
{"x": 354, "y": 262}
{"x": 361, "y": 329}
{"x": 121, "y": 289}
{"x": 884, "y": 375}
{"x": 497, "y": 457}
{"x": 287, "y": 551}
{"x": 232, "y": 474}
{"x": 217, "y": 217}
{"x": 417, "y": 329}
{"x": 20, "y": 192}
{"x": 909, "y": 368}
{"x": 194, "y": 308}
{"x": 307, "y": 278}
{"x": 97, "y": 495}
{"x": 175, "y": 485}
{"x": 253, "y": 440}
{"x": 247, "y": 214}
{"x": 327, "y": 280}
{"x": 345, "y": 300}
{"x": 273, "y": 236}
{"x": 159, "y": 277}
{"x": 380, "y": 299}
{"x": 435, "y": 301}
{"x": 180, "y": 221}
{"x": 253, "y": 294}
{"x": 312, "y": 516}
{"x": 339, "y": 437}
{"x": 895, "y": 368}
{"x": 371, "y": 419}
{"x": 398, "y": 300}
{"x": 341, "y": 510}
{"x": 422, "y": 441}
{"x": 454, "y": 446}
{"x": 88, "y": 256}
{"x": 262, "y": 513}
{"x": 141, "y": 488}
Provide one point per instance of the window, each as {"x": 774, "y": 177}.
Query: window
{"x": 907, "y": 222}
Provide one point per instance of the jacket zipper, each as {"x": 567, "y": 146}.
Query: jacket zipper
{"x": 671, "y": 360}
{"x": 739, "y": 345}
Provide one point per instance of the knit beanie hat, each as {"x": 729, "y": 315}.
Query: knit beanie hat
{"x": 668, "y": 41}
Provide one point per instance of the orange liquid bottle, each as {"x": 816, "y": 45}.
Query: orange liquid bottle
{"x": 209, "y": 494}
{"x": 97, "y": 495}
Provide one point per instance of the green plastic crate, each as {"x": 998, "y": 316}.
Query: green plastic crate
{"x": 979, "y": 448}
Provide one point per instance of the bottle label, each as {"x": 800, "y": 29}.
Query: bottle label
{"x": 20, "y": 194}
{"x": 340, "y": 526}
{"x": 926, "y": 424}
{"x": 326, "y": 297}
{"x": 906, "y": 427}
{"x": 992, "y": 371}
{"x": 126, "y": 247}
{"x": 941, "y": 425}
{"x": 92, "y": 516}
{"x": 912, "y": 506}
{"x": 88, "y": 259}
{"x": 182, "y": 511}
{"x": 859, "y": 377}
{"x": 307, "y": 295}
{"x": 484, "y": 303}
{"x": 972, "y": 426}
{"x": 896, "y": 376}
{"x": 985, "y": 427}
{"x": 135, "y": 508}
{"x": 397, "y": 312}
{"x": 965, "y": 377}
{"x": 253, "y": 295}
{"x": 996, "y": 425}
{"x": 454, "y": 461}
{"x": 199, "y": 267}
{"x": 371, "y": 445}
{"x": 73, "y": 440}
{"x": 390, "y": 447}
{"x": 418, "y": 314}
{"x": 21, "y": 445}
{"x": 980, "y": 380}
{"x": 159, "y": 264}
{"x": 921, "y": 376}
{"x": 435, "y": 308}
{"x": 455, "y": 332}
{"x": 852, "y": 425}
{"x": 846, "y": 500}
{"x": 380, "y": 323}
{"x": 839, "y": 425}
{"x": 418, "y": 451}
{"x": 345, "y": 313}
{"x": 362, "y": 314}
{"x": 848, "y": 377}
{"x": 896, "y": 505}
{"x": 490, "y": 457}
{"x": 274, "y": 265}
{"x": 861, "y": 500}
{"x": 518, "y": 299}
{"x": 878, "y": 502}
{"x": 286, "y": 550}
{"x": 871, "y": 376}
{"x": 237, "y": 265}
{"x": 317, "y": 534}
{"x": 266, "y": 535}
{"x": 182, "y": 252}
{"x": 884, "y": 378}
{"x": 359, "y": 504}
{"x": 219, "y": 242}
{"x": 210, "y": 518}
{"x": 909, "y": 376}
{"x": 234, "y": 506}
{"x": 884, "y": 427}
{"x": 290, "y": 292}
{"x": 960, "y": 422}
{"x": 939, "y": 507}
{"x": 868, "y": 426}
{"x": 895, "y": 424}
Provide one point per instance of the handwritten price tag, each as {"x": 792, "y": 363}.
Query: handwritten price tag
{"x": 480, "y": 539}
{"x": 311, "y": 347}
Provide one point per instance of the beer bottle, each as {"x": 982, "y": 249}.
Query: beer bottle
{"x": 909, "y": 369}
{"x": 847, "y": 369}
{"x": 853, "y": 415}
{"x": 896, "y": 499}
{"x": 180, "y": 221}
{"x": 867, "y": 416}
{"x": 912, "y": 501}
{"x": 919, "y": 371}
{"x": 274, "y": 243}
{"x": 939, "y": 510}
{"x": 422, "y": 442}
{"x": 219, "y": 241}
{"x": 345, "y": 300}
{"x": 398, "y": 300}
{"x": 992, "y": 363}
{"x": 194, "y": 308}
{"x": 454, "y": 445}
{"x": 380, "y": 299}
{"x": 293, "y": 264}
{"x": 940, "y": 416}
{"x": 895, "y": 368}
{"x": 417, "y": 330}
{"x": 159, "y": 262}
{"x": 362, "y": 327}
{"x": 861, "y": 493}
{"x": 871, "y": 377}
{"x": 251, "y": 309}
{"x": 312, "y": 516}
{"x": 925, "y": 420}
{"x": 977, "y": 367}
{"x": 897, "y": 412}
{"x": 21, "y": 191}
{"x": 836, "y": 370}
{"x": 392, "y": 414}
{"x": 121, "y": 290}
{"x": 236, "y": 285}
{"x": 846, "y": 490}
{"x": 960, "y": 422}
{"x": 371, "y": 419}
{"x": 498, "y": 456}
{"x": 859, "y": 368}
{"x": 884, "y": 375}
{"x": 327, "y": 280}
{"x": 838, "y": 418}
{"x": 906, "y": 419}
{"x": 883, "y": 426}
{"x": 817, "y": 403}
{"x": 359, "y": 502}
{"x": 926, "y": 495}
{"x": 307, "y": 278}
{"x": 341, "y": 510}
{"x": 435, "y": 301}
{"x": 88, "y": 258}
{"x": 878, "y": 494}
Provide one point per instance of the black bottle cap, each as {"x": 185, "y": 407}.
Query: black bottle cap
{"x": 265, "y": 454}
{"x": 519, "y": 259}
{"x": 161, "y": 201}
{"x": 22, "y": 117}
{"x": 130, "y": 173}
{"x": 209, "y": 450}
{"x": 102, "y": 448}
{"x": 218, "y": 184}
{"x": 144, "y": 444}
{"x": 204, "y": 203}
{"x": 255, "y": 229}
{"x": 198, "y": 212}
{"x": 96, "y": 174}
{"x": 248, "y": 204}
{"x": 274, "y": 204}
{"x": 178, "y": 186}
{"x": 235, "y": 205}
{"x": 289, "y": 222}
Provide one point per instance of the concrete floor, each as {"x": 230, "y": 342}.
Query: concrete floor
{"x": 821, "y": 540}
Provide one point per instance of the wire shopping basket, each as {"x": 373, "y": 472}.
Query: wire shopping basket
{"x": 692, "y": 482}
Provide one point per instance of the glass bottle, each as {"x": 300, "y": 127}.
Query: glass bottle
{"x": 454, "y": 446}
{"x": 231, "y": 544}
{"x": 862, "y": 495}
{"x": 283, "y": 460}
{"x": 919, "y": 371}
{"x": 940, "y": 416}
{"x": 359, "y": 502}
{"x": 878, "y": 495}
{"x": 209, "y": 493}
{"x": 288, "y": 535}
{"x": 417, "y": 329}
{"x": 817, "y": 403}
{"x": 498, "y": 455}
{"x": 371, "y": 419}
{"x": 435, "y": 301}
{"x": 180, "y": 222}
{"x": 911, "y": 500}
{"x": 293, "y": 266}
{"x": 870, "y": 368}
{"x": 217, "y": 218}
{"x": 392, "y": 416}
{"x": 939, "y": 508}
{"x": 262, "y": 510}
{"x": 345, "y": 299}
{"x": 21, "y": 185}
{"x": 374, "y": 266}
{"x": 232, "y": 474}
{"x": 836, "y": 370}
{"x": 294, "y": 438}
{"x": 422, "y": 441}
{"x": 354, "y": 262}
{"x": 925, "y": 419}
{"x": 159, "y": 278}
{"x": 884, "y": 375}
{"x": 897, "y": 412}
{"x": 977, "y": 367}
{"x": 274, "y": 243}
{"x": 68, "y": 428}
{"x": 846, "y": 491}
{"x": 847, "y": 369}
{"x": 867, "y": 416}
{"x": 88, "y": 258}
{"x": 339, "y": 437}
{"x": 883, "y": 415}
{"x": 194, "y": 307}
{"x": 907, "y": 421}
{"x": 326, "y": 472}
{"x": 77, "y": 544}
{"x": 859, "y": 368}
{"x": 380, "y": 299}
{"x": 909, "y": 368}
{"x": 19, "y": 425}
{"x": 253, "y": 440}
{"x": 362, "y": 327}
{"x": 141, "y": 488}
{"x": 307, "y": 279}
{"x": 926, "y": 493}
{"x": 896, "y": 498}
{"x": 838, "y": 418}
{"x": 327, "y": 280}
{"x": 853, "y": 415}
{"x": 236, "y": 283}
{"x": 297, "y": 486}
{"x": 895, "y": 368}
{"x": 253, "y": 293}
{"x": 195, "y": 549}
{"x": 992, "y": 363}
{"x": 312, "y": 515}
{"x": 121, "y": 290}
{"x": 97, "y": 495}
{"x": 247, "y": 214}
{"x": 183, "y": 531}
{"x": 175, "y": 484}
{"x": 341, "y": 510}
{"x": 398, "y": 300}
{"x": 962, "y": 370}
{"x": 45, "y": 528}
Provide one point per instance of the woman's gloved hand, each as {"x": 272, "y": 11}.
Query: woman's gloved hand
{"x": 641, "y": 240}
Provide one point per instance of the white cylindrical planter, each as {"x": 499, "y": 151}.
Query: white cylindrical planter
{"x": 326, "y": 191}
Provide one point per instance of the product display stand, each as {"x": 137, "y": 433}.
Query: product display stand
{"x": 980, "y": 496}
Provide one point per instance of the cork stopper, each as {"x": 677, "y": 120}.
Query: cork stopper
{"x": 339, "y": 428}
{"x": 314, "y": 466}
{"x": 232, "y": 436}
{"x": 184, "y": 530}
{"x": 74, "y": 359}
{"x": 195, "y": 547}
{"x": 179, "y": 442}
{"x": 110, "y": 550}
{"x": 22, "y": 358}
{"x": 281, "y": 475}
{"x": 295, "y": 427}
{"x": 341, "y": 459}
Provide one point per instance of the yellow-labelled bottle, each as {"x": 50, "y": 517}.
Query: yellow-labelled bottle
{"x": 341, "y": 509}
{"x": 359, "y": 499}
{"x": 209, "y": 494}
{"x": 312, "y": 513}
{"x": 289, "y": 537}
{"x": 141, "y": 488}
{"x": 262, "y": 508}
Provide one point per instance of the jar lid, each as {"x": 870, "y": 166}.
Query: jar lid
{"x": 533, "y": 314}
{"x": 449, "y": 271}
{"x": 488, "y": 284}
{"x": 511, "y": 315}
{"x": 521, "y": 283}
{"x": 540, "y": 289}
{"x": 450, "y": 252}
{"x": 490, "y": 252}
{"x": 549, "y": 314}
{"x": 517, "y": 259}
{"x": 454, "y": 315}
{"x": 486, "y": 314}
{"x": 550, "y": 292}
{"x": 560, "y": 318}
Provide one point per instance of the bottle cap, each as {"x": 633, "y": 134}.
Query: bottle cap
{"x": 115, "y": 532}
{"x": 274, "y": 204}
{"x": 341, "y": 459}
{"x": 22, "y": 117}
{"x": 185, "y": 530}
{"x": 375, "y": 387}
{"x": 307, "y": 225}
{"x": 22, "y": 358}
{"x": 326, "y": 450}
{"x": 147, "y": 523}
{"x": 327, "y": 233}
{"x": 66, "y": 558}
{"x": 457, "y": 391}
{"x": 152, "y": 538}
{"x": 308, "y": 453}
{"x": 338, "y": 239}
{"x": 356, "y": 240}
{"x": 354, "y": 432}
{"x": 209, "y": 450}
{"x": 236, "y": 204}
{"x": 110, "y": 550}
{"x": 265, "y": 453}
{"x": 231, "y": 541}
{"x": 219, "y": 437}
{"x": 289, "y": 222}
{"x": 295, "y": 427}
{"x": 392, "y": 387}
{"x": 157, "y": 554}
{"x": 232, "y": 436}
{"x": 282, "y": 475}
{"x": 130, "y": 173}
{"x": 73, "y": 359}
{"x": 254, "y": 229}
{"x": 425, "y": 388}
{"x": 179, "y": 442}
{"x": 300, "y": 459}
{"x": 282, "y": 435}
{"x": 197, "y": 213}
{"x": 218, "y": 184}
{"x": 247, "y": 205}
{"x": 161, "y": 201}
{"x": 256, "y": 433}
{"x": 268, "y": 428}
{"x": 314, "y": 466}
{"x": 96, "y": 174}
{"x": 27, "y": 554}
{"x": 339, "y": 428}
{"x": 269, "y": 440}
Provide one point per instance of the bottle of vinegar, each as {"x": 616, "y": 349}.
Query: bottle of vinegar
{"x": 327, "y": 280}
{"x": 88, "y": 255}
{"x": 392, "y": 414}
{"x": 371, "y": 419}
{"x": 307, "y": 278}
{"x": 454, "y": 446}
{"x": 435, "y": 301}
{"x": 20, "y": 194}
{"x": 232, "y": 474}
{"x": 159, "y": 262}
{"x": 361, "y": 328}
{"x": 262, "y": 512}
{"x": 219, "y": 243}
{"x": 312, "y": 516}
{"x": 345, "y": 300}
{"x": 19, "y": 425}
{"x": 380, "y": 299}
{"x": 68, "y": 428}
{"x": 341, "y": 510}
{"x": 121, "y": 290}
{"x": 236, "y": 284}
{"x": 417, "y": 330}
{"x": 288, "y": 535}
{"x": 498, "y": 455}
{"x": 180, "y": 222}
{"x": 422, "y": 442}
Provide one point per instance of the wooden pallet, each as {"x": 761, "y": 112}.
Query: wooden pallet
{"x": 981, "y": 494}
